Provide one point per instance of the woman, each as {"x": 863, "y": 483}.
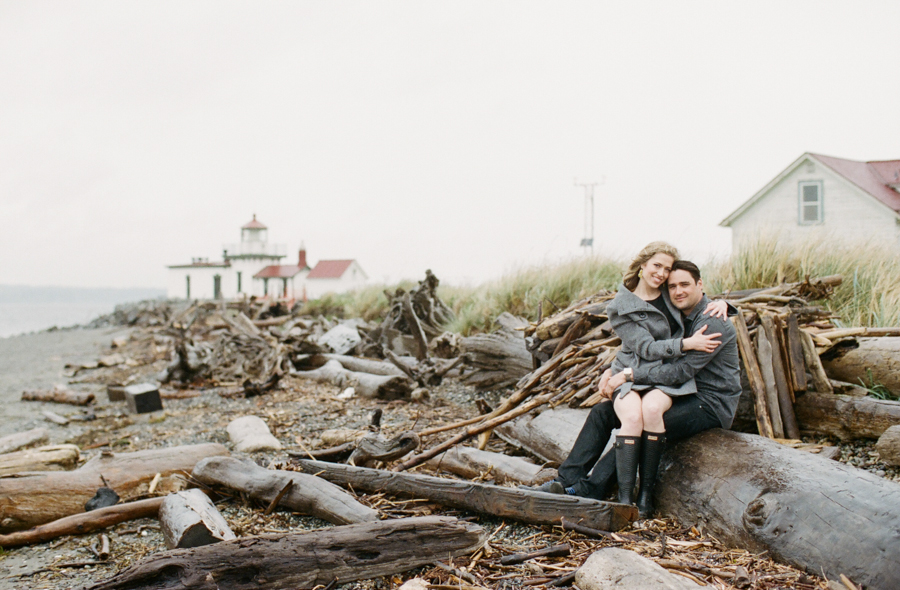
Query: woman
{"x": 651, "y": 331}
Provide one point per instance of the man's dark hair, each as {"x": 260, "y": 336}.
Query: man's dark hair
{"x": 688, "y": 266}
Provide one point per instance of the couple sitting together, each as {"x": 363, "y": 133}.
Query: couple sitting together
{"x": 662, "y": 384}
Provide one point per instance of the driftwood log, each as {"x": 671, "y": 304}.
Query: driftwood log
{"x": 472, "y": 463}
{"x": 51, "y": 458}
{"x": 804, "y": 510}
{"x": 866, "y": 359}
{"x": 361, "y": 365}
{"x": 190, "y": 519}
{"x": 86, "y": 522}
{"x": 20, "y": 440}
{"x": 307, "y": 494}
{"x": 550, "y": 435}
{"x": 845, "y": 417}
{"x": 35, "y": 498}
{"x": 304, "y": 560}
{"x": 367, "y": 385}
{"x": 59, "y": 396}
{"x": 523, "y": 505}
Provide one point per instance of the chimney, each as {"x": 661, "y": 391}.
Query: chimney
{"x": 301, "y": 259}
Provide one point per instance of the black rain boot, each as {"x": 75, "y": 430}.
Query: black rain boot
{"x": 628, "y": 451}
{"x": 652, "y": 447}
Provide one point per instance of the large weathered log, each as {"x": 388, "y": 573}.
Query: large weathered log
{"x": 35, "y": 498}
{"x": 875, "y": 359}
{"x": 524, "y": 505}
{"x": 190, "y": 519}
{"x": 86, "y": 522}
{"x": 304, "y": 560}
{"x": 470, "y": 463}
{"x": 20, "y": 440}
{"x": 59, "y": 396}
{"x": 810, "y": 512}
{"x": 845, "y": 417}
{"x": 365, "y": 384}
{"x": 52, "y": 458}
{"x": 308, "y": 494}
{"x": 550, "y": 435}
{"x": 499, "y": 359}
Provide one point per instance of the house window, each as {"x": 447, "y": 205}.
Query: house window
{"x": 811, "y": 206}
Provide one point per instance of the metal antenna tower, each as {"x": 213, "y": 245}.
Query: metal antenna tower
{"x": 587, "y": 242}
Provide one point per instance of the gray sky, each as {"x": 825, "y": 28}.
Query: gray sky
{"x": 414, "y": 135}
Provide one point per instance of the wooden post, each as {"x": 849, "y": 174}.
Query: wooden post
{"x": 795, "y": 354}
{"x": 785, "y": 405}
{"x": 814, "y": 363}
{"x": 757, "y": 384}
{"x": 764, "y": 356}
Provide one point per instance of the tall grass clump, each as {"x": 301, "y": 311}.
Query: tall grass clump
{"x": 868, "y": 296}
{"x": 523, "y": 291}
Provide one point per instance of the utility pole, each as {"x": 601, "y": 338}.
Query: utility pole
{"x": 587, "y": 242}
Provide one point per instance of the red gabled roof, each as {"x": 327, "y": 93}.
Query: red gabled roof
{"x": 329, "y": 269}
{"x": 253, "y": 224}
{"x": 873, "y": 177}
{"x": 276, "y": 271}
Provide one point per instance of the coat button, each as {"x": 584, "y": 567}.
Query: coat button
{"x": 642, "y": 315}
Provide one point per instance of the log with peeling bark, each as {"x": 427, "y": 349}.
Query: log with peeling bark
{"x": 308, "y": 494}
{"x": 50, "y": 458}
{"x": 34, "y": 498}
{"x": 813, "y": 513}
{"x": 866, "y": 360}
{"x": 86, "y": 522}
{"x": 367, "y": 385}
{"x": 524, "y": 505}
{"x": 472, "y": 463}
{"x": 361, "y": 365}
{"x": 20, "y": 440}
{"x": 845, "y": 417}
{"x": 190, "y": 519}
{"x": 305, "y": 560}
{"x": 59, "y": 396}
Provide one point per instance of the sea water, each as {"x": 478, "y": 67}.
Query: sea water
{"x": 26, "y": 309}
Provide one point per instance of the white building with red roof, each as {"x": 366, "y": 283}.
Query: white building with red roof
{"x": 823, "y": 197}
{"x": 253, "y": 267}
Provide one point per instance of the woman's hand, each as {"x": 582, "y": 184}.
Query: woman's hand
{"x": 604, "y": 380}
{"x": 609, "y": 382}
{"x": 717, "y": 309}
{"x": 701, "y": 342}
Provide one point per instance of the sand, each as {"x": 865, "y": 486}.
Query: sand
{"x": 37, "y": 361}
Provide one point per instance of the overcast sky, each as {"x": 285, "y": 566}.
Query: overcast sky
{"x": 414, "y": 135}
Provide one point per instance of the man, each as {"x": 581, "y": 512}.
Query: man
{"x": 716, "y": 373}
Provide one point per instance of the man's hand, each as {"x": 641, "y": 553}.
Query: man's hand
{"x": 701, "y": 341}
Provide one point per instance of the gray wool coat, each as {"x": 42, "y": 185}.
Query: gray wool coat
{"x": 647, "y": 340}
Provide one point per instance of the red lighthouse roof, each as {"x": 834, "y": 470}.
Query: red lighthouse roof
{"x": 253, "y": 224}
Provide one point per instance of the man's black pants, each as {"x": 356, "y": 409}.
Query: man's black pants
{"x": 687, "y": 417}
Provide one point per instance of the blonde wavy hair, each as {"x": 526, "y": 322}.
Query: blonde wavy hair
{"x": 632, "y": 275}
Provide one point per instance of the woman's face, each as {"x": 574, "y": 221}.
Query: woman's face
{"x": 656, "y": 270}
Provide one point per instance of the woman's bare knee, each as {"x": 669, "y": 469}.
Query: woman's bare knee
{"x": 653, "y": 406}
{"x": 628, "y": 409}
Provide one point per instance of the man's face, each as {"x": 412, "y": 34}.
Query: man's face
{"x": 683, "y": 291}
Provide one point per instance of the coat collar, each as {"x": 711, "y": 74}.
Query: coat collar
{"x": 628, "y": 302}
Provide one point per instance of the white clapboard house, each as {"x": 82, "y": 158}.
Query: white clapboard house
{"x": 824, "y": 197}
{"x": 255, "y": 267}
